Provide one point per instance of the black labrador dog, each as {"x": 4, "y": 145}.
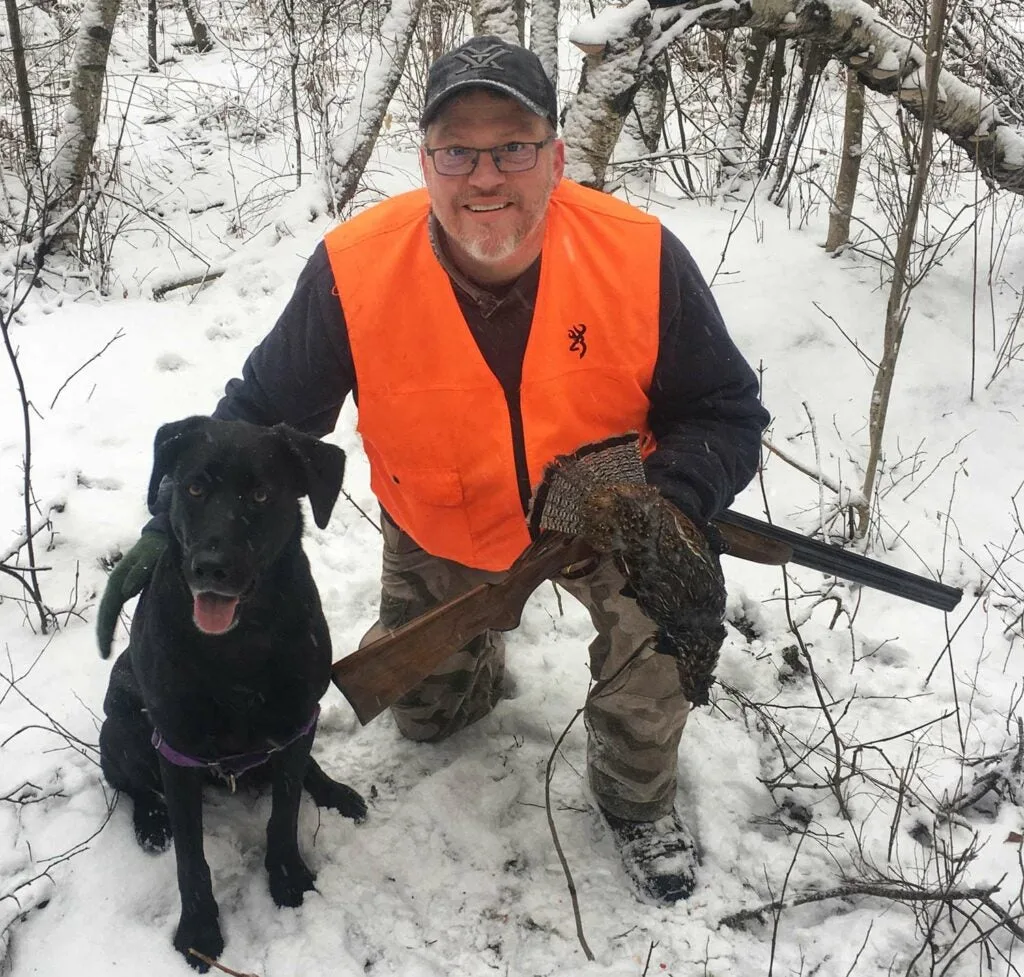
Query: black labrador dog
{"x": 228, "y": 657}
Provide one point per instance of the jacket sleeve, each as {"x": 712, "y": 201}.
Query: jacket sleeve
{"x": 302, "y": 371}
{"x": 705, "y": 412}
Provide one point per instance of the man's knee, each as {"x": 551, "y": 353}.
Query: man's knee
{"x": 464, "y": 690}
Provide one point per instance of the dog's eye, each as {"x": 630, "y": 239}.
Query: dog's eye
{"x": 259, "y": 496}
{"x": 196, "y": 489}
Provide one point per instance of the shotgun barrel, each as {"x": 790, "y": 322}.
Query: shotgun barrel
{"x": 834, "y": 560}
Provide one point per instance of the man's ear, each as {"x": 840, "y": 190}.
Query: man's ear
{"x": 559, "y": 161}
{"x": 321, "y": 468}
{"x": 171, "y": 439}
{"x": 424, "y": 162}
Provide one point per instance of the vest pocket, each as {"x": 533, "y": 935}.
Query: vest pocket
{"x": 431, "y": 486}
{"x": 430, "y": 506}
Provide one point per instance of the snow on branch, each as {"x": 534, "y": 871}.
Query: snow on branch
{"x": 851, "y": 32}
{"x": 886, "y": 61}
{"x": 365, "y": 113}
{"x": 613, "y": 43}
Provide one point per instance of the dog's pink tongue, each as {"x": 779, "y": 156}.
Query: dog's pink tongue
{"x": 214, "y": 613}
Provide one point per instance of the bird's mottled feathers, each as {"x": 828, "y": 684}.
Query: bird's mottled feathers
{"x": 673, "y": 573}
{"x": 676, "y": 579}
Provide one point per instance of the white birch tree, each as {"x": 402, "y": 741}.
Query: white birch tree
{"x": 365, "y": 113}
{"x": 544, "y": 35}
{"x": 502, "y": 18}
{"x": 614, "y": 46}
{"x": 82, "y": 116}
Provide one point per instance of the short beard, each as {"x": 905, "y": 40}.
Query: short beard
{"x": 487, "y": 249}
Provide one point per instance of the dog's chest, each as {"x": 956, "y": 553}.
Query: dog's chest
{"x": 239, "y": 719}
{"x": 228, "y": 705}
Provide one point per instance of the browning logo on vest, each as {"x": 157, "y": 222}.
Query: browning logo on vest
{"x": 578, "y": 343}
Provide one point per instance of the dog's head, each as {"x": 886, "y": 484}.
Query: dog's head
{"x": 234, "y": 503}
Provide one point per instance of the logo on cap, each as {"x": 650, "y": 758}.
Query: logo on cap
{"x": 487, "y": 58}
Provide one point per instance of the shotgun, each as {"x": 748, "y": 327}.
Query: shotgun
{"x": 379, "y": 673}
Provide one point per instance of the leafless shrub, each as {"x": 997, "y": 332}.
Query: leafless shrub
{"x": 32, "y": 885}
{"x": 443, "y": 24}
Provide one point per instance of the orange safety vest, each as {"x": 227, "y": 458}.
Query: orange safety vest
{"x": 432, "y": 415}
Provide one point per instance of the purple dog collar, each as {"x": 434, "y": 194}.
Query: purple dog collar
{"x": 229, "y": 767}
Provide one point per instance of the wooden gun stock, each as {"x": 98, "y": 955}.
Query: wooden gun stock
{"x": 378, "y": 674}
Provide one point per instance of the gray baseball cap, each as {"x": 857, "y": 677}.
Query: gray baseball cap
{"x": 489, "y": 62}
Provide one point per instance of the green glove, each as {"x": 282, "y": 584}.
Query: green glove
{"x": 129, "y": 576}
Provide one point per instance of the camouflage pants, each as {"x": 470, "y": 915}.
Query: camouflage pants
{"x": 635, "y": 711}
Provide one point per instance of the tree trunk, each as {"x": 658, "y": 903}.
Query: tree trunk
{"x": 498, "y": 17}
{"x": 28, "y": 128}
{"x": 82, "y": 117}
{"x": 771, "y": 126}
{"x": 642, "y": 127}
{"x": 151, "y": 24}
{"x": 753, "y": 53}
{"x": 291, "y": 47}
{"x": 436, "y": 14}
{"x": 200, "y": 32}
{"x": 365, "y": 113}
{"x": 812, "y": 64}
{"x": 544, "y": 36}
{"x": 648, "y": 116}
{"x": 841, "y": 211}
{"x": 852, "y": 32}
{"x": 733, "y": 151}
{"x": 898, "y": 306}
{"x": 520, "y": 8}
{"x": 614, "y": 49}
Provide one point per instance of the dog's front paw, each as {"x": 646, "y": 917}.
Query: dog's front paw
{"x": 333, "y": 794}
{"x": 199, "y": 932}
{"x": 152, "y": 824}
{"x": 346, "y": 801}
{"x": 290, "y": 880}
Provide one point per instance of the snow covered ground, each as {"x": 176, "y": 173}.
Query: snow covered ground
{"x": 454, "y": 872}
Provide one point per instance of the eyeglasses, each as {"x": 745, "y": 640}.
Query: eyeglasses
{"x": 512, "y": 157}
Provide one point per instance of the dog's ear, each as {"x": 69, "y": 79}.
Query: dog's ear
{"x": 321, "y": 468}
{"x": 171, "y": 439}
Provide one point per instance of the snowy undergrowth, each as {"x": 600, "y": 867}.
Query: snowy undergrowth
{"x": 843, "y": 754}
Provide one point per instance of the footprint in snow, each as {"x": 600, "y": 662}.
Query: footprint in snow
{"x": 171, "y": 362}
{"x": 103, "y": 484}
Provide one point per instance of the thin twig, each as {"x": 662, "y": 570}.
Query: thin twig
{"x": 210, "y": 962}
{"x": 901, "y": 893}
{"x": 110, "y": 342}
{"x": 817, "y": 476}
{"x": 554, "y": 836}
{"x": 355, "y": 505}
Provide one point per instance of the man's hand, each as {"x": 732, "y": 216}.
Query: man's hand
{"x": 126, "y": 580}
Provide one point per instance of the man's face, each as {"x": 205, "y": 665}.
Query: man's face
{"x": 493, "y": 221}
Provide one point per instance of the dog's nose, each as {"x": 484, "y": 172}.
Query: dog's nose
{"x": 210, "y": 567}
